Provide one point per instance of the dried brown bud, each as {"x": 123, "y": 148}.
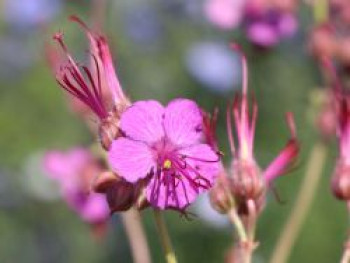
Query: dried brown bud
{"x": 220, "y": 196}
{"x": 341, "y": 181}
{"x": 246, "y": 183}
{"x": 120, "y": 194}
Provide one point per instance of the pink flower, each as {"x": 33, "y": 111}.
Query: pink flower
{"x": 164, "y": 147}
{"x": 74, "y": 171}
{"x": 227, "y": 14}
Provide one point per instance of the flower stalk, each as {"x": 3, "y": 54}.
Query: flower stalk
{"x": 136, "y": 236}
{"x": 302, "y": 205}
{"x": 164, "y": 237}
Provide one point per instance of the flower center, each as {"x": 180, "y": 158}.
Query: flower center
{"x": 167, "y": 164}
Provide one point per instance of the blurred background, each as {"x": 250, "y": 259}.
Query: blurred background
{"x": 162, "y": 49}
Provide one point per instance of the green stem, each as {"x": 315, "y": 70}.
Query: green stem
{"x": 302, "y": 204}
{"x": 236, "y": 221}
{"x": 164, "y": 237}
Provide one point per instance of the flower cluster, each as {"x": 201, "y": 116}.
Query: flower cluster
{"x": 157, "y": 154}
{"x": 265, "y": 22}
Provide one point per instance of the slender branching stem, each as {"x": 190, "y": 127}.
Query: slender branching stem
{"x": 302, "y": 205}
{"x": 136, "y": 236}
{"x": 164, "y": 237}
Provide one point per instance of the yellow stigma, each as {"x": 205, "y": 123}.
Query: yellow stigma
{"x": 167, "y": 164}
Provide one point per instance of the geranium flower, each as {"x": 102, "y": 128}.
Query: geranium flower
{"x": 163, "y": 146}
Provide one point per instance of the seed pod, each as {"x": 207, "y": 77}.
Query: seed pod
{"x": 219, "y": 195}
{"x": 246, "y": 183}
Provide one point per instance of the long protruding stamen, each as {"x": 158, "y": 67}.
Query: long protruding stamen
{"x": 229, "y": 129}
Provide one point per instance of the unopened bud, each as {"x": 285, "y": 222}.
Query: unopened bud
{"x": 219, "y": 195}
{"x": 341, "y": 181}
{"x": 120, "y": 196}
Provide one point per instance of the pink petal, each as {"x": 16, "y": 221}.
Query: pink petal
{"x": 204, "y": 158}
{"x": 262, "y": 34}
{"x": 65, "y": 167}
{"x": 282, "y": 162}
{"x": 183, "y": 196}
{"x": 95, "y": 209}
{"x": 142, "y": 121}
{"x": 183, "y": 122}
{"x": 287, "y": 25}
{"x": 131, "y": 160}
{"x": 226, "y": 14}
{"x": 178, "y": 195}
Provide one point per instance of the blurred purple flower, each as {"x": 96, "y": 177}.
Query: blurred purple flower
{"x": 30, "y": 13}
{"x": 213, "y": 65}
{"x": 143, "y": 26}
{"x": 163, "y": 146}
{"x": 267, "y": 28}
{"x": 74, "y": 171}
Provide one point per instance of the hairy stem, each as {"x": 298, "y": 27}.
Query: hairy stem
{"x": 302, "y": 205}
{"x": 136, "y": 236}
{"x": 164, "y": 237}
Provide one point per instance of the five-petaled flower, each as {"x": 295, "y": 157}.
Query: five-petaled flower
{"x": 164, "y": 146}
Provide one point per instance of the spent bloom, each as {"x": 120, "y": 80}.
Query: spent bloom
{"x": 88, "y": 85}
{"x": 247, "y": 181}
{"x": 163, "y": 148}
{"x": 75, "y": 170}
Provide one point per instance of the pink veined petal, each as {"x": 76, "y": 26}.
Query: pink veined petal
{"x": 202, "y": 167}
{"x": 95, "y": 209}
{"x": 131, "y": 160}
{"x": 202, "y": 157}
{"x": 142, "y": 121}
{"x": 177, "y": 195}
{"x": 262, "y": 34}
{"x": 281, "y": 163}
{"x": 183, "y": 122}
